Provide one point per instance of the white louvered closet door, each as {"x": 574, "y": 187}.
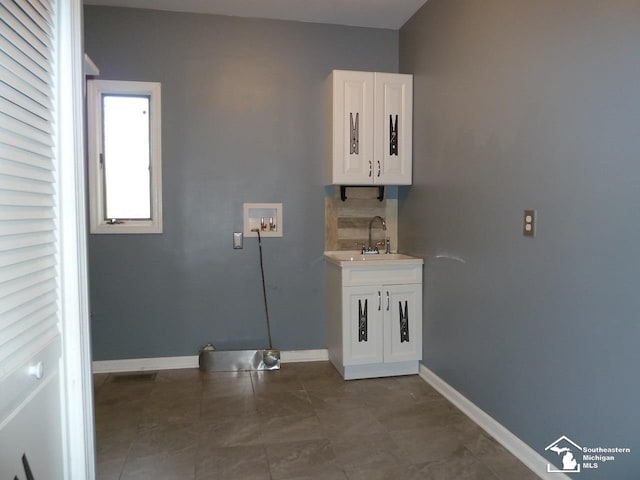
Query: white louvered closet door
{"x": 31, "y": 432}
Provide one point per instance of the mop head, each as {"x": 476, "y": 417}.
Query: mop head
{"x": 271, "y": 359}
{"x": 212, "y": 360}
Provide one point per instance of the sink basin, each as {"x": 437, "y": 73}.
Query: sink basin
{"x": 344, "y": 258}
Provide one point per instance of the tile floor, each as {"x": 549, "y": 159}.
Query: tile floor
{"x": 301, "y": 422}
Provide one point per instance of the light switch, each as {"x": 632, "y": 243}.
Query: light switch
{"x": 237, "y": 240}
{"x": 529, "y": 225}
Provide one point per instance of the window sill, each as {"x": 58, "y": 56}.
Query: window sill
{"x": 138, "y": 226}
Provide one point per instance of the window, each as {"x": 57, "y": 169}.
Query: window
{"x": 125, "y": 181}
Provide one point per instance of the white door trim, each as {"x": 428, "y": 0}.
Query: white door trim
{"x": 76, "y": 388}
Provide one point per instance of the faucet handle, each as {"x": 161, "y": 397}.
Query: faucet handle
{"x": 386, "y": 244}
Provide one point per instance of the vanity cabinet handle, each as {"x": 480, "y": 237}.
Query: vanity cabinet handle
{"x": 387, "y": 300}
{"x": 370, "y": 168}
{"x": 379, "y": 169}
{"x": 379, "y": 301}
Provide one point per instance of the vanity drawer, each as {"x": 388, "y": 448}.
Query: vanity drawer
{"x": 381, "y": 274}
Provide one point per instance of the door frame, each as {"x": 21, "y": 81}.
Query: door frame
{"x": 76, "y": 377}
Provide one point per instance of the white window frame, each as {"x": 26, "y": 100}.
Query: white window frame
{"x": 95, "y": 90}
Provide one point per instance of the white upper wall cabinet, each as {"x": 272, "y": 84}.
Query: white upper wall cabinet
{"x": 371, "y": 134}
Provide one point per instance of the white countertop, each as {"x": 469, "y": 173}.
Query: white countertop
{"x": 354, "y": 258}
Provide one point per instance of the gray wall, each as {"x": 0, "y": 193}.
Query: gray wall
{"x": 531, "y": 104}
{"x": 242, "y": 105}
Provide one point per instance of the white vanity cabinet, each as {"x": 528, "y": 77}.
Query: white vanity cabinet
{"x": 371, "y": 132}
{"x": 374, "y": 318}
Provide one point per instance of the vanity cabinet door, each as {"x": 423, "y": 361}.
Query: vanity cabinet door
{"x": 362, "y": 323}
{"x": 402, "y": 322}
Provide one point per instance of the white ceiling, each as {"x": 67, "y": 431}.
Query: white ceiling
{"x": 363, "y": 13}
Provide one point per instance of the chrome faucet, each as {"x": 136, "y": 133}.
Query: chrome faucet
{"x": 373, "y": 248}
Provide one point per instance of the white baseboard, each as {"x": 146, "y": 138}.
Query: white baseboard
{"x": 527, "y": 455}
{"x": 143, "y": 364}
{"x": 172, "y": 363}
{"x": 292, "y": 356}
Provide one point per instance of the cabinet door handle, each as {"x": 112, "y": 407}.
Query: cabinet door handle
{"x": 387, "y": 300}
{"x": 370, "y": 168}
{"x": 379, "y": 169}
{"x": 379, "y": 301}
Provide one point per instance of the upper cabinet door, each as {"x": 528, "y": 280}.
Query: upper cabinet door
{"x": 393, "y": 126}
{"x": 353, "y": 119}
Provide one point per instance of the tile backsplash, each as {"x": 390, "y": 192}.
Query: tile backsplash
{"x": 347, "y": 223}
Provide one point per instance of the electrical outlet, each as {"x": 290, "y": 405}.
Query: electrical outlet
{"x": 529, "y": 224}
{"x": 237, "y": 240}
